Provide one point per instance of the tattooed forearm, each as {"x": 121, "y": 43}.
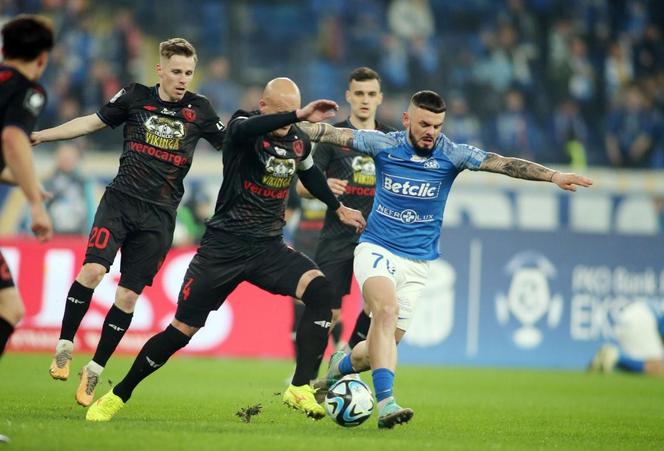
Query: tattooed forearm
{"x": 326, "y": 133}
{"x": 516, "y": 167}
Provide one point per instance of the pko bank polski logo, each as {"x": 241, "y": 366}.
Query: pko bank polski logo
{"x": 411, "y": 188}
{"x": 529, "y": 298}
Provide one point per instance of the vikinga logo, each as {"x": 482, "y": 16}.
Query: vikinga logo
{"x": 405, "y": 187}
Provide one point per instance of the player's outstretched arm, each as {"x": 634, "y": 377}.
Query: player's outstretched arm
{"x": 80, "y": 126}
{"x": 18, "y": 156}
{"x": 527, "y": 170}
{"x": 326, "y": 133}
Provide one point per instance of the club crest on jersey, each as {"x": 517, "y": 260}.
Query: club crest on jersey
{"x": 279, "y": 172}
{"x": 364, "y": 170}
{"x": 163, "y": 132}
{"x": 149, "y": 107}
{"x": 34, "y": 101}
{"x": 298, "y": 148}
{"x": 412, "y": 188}
{"x": 431, "y": 164}
{"x": 189, "y": 114}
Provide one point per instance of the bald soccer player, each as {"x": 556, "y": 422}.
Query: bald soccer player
{"x": 243, "y": 242}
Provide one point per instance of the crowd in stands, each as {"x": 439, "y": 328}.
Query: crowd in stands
{"x": 578, "y": 82}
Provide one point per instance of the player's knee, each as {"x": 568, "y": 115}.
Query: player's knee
{"x": 385, "y": 311}
{"x": 184, "y": 328}
{"x": 91, "y": 275}
{"x": 126, "y": 299}
{"x": 11, "y": 306}
{"x": 319, "y": 293}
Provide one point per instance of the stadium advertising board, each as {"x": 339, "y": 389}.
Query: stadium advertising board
{"x": 500, "y": 298}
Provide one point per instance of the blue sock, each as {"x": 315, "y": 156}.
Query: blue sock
{"x": 345, "y": 367}
{"x": 633, "y": 365}
{"x": 383, "y": 380}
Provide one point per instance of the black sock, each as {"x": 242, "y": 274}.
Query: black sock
{"x": 115, "y": 325}
{"x": 361, "y": 329}
{"x": 156, "y": 351}
{"x": 76, "y": 306}
{"x": 311, "y": 342}
{"x": 336, "y": 333}
{"x": 298, "y": 310}
{"x": 6, "y": 330}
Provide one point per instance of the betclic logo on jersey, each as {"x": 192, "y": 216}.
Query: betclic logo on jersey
{"x": 411, "y": 188}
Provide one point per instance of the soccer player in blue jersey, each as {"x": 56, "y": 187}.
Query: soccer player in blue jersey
{"x": 415, "y": 169}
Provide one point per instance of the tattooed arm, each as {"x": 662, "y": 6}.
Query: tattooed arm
{"x": 370, "y": 142}
{"x": 527, "y": 170}
{"x": 326, "y": 133}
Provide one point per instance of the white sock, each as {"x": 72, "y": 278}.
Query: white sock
{"x": 64, "y": 345}
{"x": 94, "y": 367}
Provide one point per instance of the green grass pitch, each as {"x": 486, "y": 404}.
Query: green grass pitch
{"x": 191, "y": 403}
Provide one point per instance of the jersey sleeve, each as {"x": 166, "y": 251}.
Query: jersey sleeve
{"x": 463, "y": 156}
{"x": 322, "y": 154}
{"x": 308, "y": 161}
{"x": 372, "y": 142}
{"x": 24, "y": 109}
{"x": 212, "y": 129}
{"x": 116, "y": 111}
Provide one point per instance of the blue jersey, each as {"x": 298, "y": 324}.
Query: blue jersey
{"x": 411, "y": 191}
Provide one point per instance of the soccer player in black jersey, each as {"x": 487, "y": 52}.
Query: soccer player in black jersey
{"x": 26, "y": 42}
{"x": 243, "y": 242}
{"x": 163, "y": 123}
{"x": 308, "y": 215}
{"x": 351, "y": 176}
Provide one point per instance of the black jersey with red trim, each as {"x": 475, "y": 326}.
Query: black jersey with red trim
{"x": 358, "y": 169}
{"x": 159, "y": 141}
{"x": 21, "y": 102}
{"x": 258, "y": 172}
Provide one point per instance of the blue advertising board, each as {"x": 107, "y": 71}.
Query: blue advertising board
{"x": 530, "y": 299}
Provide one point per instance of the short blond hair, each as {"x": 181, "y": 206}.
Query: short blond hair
{"x": 177, "y": 46}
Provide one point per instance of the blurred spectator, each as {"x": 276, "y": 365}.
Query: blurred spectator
{"x": 460, "y": 124}
{"x": 101, "y": 86}
{"x": 571, "y": 134}
{"x": 630, "y": 131}
{"x": 582, "y": 79}
{"x": 73, "y": 205}
{"x": 516, "y": 131}
{"x": 124, "y": 44}
{"x": 649, "y": 52}
{"x": 224, "y": 94}
{"x": 618, "y": 69}
{"x": 410, "y": 48}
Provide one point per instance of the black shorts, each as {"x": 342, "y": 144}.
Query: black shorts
{"x": 143, "y": 230}
{"x": 6, "y": 280}
{"x": 335, "y": 259}
{"x": 223, "y": 261}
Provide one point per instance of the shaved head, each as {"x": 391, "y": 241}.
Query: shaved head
{"x": 280, "y": 95}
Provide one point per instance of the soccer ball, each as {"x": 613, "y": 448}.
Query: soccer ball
{"x": 349, "y": 402}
